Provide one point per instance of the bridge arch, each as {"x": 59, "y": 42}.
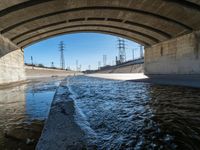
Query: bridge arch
{"x": 147, "y": 22}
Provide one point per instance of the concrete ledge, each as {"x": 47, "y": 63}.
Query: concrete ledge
{"x": 60, "y": 131}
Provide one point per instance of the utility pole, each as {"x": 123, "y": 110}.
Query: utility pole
{"x": 89, "y": 67}
{"x": 116, "y": 60}
{"x": 99, "y": 65}
{"x": 52, "y": 64}
{"x": 122, "y": 50}
{"x": 68, "y": 68}
{"x": 76, "y": 65}
{"x": 104, "y": 60}
{"x": 32, "y": 61}
{"x": 62, "y": 59}
{"x": 80, "y": 68}
{"x": 113, "y": 63}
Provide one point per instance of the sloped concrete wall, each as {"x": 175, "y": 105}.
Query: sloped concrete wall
{"x": 12, "y": 67}
{"x": 177, "y": 56}
{"x": 137, "y": 68}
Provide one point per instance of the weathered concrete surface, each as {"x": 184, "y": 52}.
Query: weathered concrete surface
{"x": 136, "y": 68}
{"x": 37, "y": 72}
{"x": 6, "y": 46}
{"x": 12, "y": 67}
{"x": 177, "y": 56}
{"x": 60, "y": 131}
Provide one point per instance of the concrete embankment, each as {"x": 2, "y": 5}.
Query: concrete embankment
{"x": 132, "y": 68}
{"x": 37, "y": 72}
{"x": 61, "y": 131}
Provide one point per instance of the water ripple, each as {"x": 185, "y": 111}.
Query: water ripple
{"x": 128, "y": 115}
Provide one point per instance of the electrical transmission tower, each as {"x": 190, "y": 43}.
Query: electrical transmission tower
{"x": 122, "y": 50}
{"x": 104, "y": 60}
{"x": 62, "y": 59}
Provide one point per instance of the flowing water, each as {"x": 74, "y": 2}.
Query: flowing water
{"x": 114, "y": 114}
{"x": 23, "y": 109}
{"x": 129, "y": 115}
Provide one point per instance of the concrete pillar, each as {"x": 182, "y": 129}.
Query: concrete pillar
{"x": 11, "y": 62}
{"x": 176, "y": 56}
{"x": 12, "y": 67}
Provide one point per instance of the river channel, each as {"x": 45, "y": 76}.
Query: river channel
{"x": 114, "y": 114}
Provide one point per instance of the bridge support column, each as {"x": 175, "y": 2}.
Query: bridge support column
{"x": 177, "y": 56}
{"x": 11, "y": 62}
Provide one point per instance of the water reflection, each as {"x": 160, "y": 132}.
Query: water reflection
{"x": 176, "y": 111}
{"x": 22, "y": 112}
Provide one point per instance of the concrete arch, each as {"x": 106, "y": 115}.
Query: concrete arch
{"x": 77, "y": 29}
{"x": 16, "y": 28}
{"x": 102, "y": 8}
{"x": 98, "y": 21}
{"x": 146, "y": 36}
{"x": 148, "y": 20}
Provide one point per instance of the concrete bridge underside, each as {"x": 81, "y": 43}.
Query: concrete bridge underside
{"x": 169, "y": 29}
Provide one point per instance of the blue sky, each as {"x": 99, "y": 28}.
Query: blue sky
{"x": 87, "y": 48}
